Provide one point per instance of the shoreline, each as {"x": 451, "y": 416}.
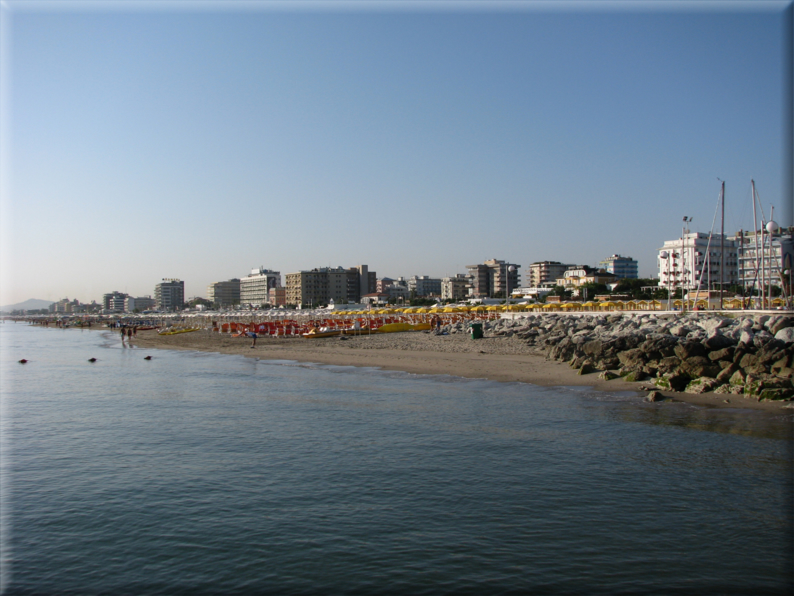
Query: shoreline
{"x": 494, "y": 358}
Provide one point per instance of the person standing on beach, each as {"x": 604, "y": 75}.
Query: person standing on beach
{"x": 253, "y": 337}
{"x": 129, "y": 333}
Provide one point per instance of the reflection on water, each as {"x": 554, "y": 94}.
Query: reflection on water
{"x": 749, "y": 423}
{"x": 204, "y": 473}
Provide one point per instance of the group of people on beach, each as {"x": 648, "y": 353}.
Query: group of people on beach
{"x": 129, "y": 331}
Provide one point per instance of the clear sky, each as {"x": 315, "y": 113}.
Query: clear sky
{"x": 198, "y": 141}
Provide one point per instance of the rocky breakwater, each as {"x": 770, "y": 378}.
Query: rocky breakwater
{"x": 694, "y": 353}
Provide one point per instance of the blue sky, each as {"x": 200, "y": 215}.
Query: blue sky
{"x": 201, "y": 141}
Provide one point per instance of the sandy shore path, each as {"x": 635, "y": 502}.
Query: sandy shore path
{"x": 505, "y": 359}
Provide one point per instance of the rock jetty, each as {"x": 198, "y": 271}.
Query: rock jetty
{"x": 748, "y": 355}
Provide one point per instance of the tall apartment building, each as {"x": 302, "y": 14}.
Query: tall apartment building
{"x": 423, "y": 285}
{"x": 140, "y": 304}
{"x": 255, "y": 288}
{"x": 620, "y": 267}
{"x": 492, "y": 277}
{"x": 546, "y": 273}
{"x": 169, "y": 294}
{"x": 114, "y": 301}
{"x": 224, "y": 293}
{"x": 455, "y": 288}
{"x": 777, "y": 252}
{"x": 693, "y": 261}
{"x": 321, "y": 285}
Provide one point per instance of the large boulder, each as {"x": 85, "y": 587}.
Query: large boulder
{"x": 668, "y": 365}
{"x": 786, "y": 334}
{"x": 689, "y": 349}
{"x": 655, "y": 396}
{"x": 674, "y": 382}
{"x": 633, "y": 359}
{"x": 698, "y": 366}
{"x": 722, "y": 354}
{"x": 701, "y": 385}
{"x": 593, "y": 348}
{"x": 726, "y": 373}
{"x": 777, "y": 324}
{"x": 746, "y": 337}
{"x": 710, "y": 325}
{"x": 718, "y": 342}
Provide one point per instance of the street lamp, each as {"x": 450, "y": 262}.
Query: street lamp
{"x": 509, "y": 270}
{"x": 666, "y": 256}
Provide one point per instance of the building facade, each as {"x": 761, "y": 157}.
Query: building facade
{"x": 491, "y": 278}
{"x": 170, "y": 294}
{"x": 140, "y": 304}
{"x": 455, "y": 288}
{"x": 255, "y": 287}
{"x": 764, "y": 259}
{"x": 322, "y": 285}
{"x": 64, "y": 306}
{"x": 113, "y": 301}
{"x": 277, "y": 296}
{"x": 694, "y": 262}
{"x": 423, "y": 285}
{"x": 546, "y": 273}
{"x": 224, "y": 293}
{"x": 621, "y": 267}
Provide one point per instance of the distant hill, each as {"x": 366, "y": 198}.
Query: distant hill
{"x": 32, "y": 304}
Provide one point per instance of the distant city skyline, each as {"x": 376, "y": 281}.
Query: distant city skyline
{"x": 200, "y": 141}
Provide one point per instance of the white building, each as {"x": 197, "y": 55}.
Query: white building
{"x": 455, "y": 288}
{"x": 546, "y": 273}
{"x": 422, "y": 285}
{"x": 694, "y": 262}
{"x": 113, "y": 301}
{"x": 777, "y": 252}
{"x": 141, "y": 303}
{"x": 621, "y": 267}
{"x": 255, "y": 288}
{"x": 398, "y": 290}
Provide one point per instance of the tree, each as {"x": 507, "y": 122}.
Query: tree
{"x": 633, "y": 287}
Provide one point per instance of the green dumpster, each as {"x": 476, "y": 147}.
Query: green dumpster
{"x": 476, "y": 330}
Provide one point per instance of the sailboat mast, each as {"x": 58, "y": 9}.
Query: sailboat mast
{"x": 755, "y": 235}
{"x": 722, "y": 247}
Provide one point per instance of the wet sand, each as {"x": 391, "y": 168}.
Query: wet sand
{"x": 504, "y": 359}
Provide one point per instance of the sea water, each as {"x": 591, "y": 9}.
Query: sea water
{"x": 201, "y": 473}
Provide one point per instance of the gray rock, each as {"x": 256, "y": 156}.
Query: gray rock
{"x": 633, "y": 359}
{"x": 655, "y": 396}
{"x": 777, "y": 324}
{"x": 746, "y": 337}
{"x": 786, "y": 334}
{"x": 718, "y": 341}
{"x": 723, "y": 354}
{"x": 701, "y": 385}
{"x": 710, "y": 325}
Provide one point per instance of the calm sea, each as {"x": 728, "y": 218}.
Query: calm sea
{"x": 197, "y": 473}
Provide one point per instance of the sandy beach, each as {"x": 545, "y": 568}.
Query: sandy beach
{"x": 504, "y": 359}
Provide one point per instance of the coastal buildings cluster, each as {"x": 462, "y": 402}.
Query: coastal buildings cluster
{"x": 694, "y": 262}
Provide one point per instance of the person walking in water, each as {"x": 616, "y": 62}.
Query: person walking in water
{"x": 129, "y": 333}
